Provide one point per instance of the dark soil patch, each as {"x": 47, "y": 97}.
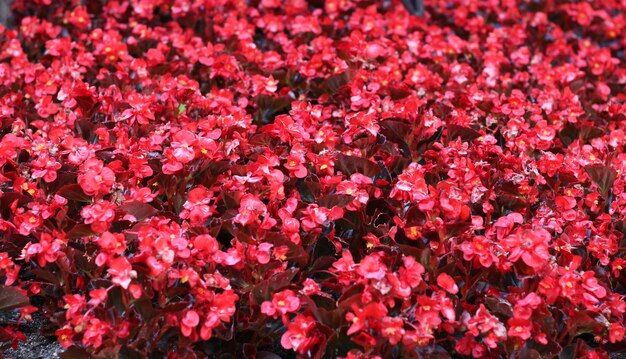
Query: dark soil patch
{"x": 37, "y": 346}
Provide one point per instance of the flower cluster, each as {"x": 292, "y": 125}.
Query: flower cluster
{"x": 196, "y": 178}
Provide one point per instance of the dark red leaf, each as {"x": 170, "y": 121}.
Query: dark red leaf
{"x": 395, "y": 130}
{"x": 139, "y": 210}
{"x": 465, "y": 133}
{"x": 568, "y": 134}
{"x": 589, "y": 132}
{"x": 263, "y": 291}
{"x": 74, "y": 353}
{"x": 399, "y": 92}
{"x": 351, "y": 165}
{"x": 603, "y": 176}
{"x": 339, "y": 200}
{"x": 73, "y": 192}
{"x": 80, "y": 231}
{"x": 337, "y": 81}
{"x": 12, "y": 298}
{"x": 266, "y": 355}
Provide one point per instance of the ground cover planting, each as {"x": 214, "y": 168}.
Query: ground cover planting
{"x": 314, "y": 179}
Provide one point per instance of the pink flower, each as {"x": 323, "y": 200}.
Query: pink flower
{"x": 183, "y": 145}
{"x": 282, "y": 303}
{"x": 505, "y": 224}
{"x": 46, "y": 168}
{"x": 99, "y": 215}
{"x": 371, "y": 267}
{"x": 121, "y": 271}
{"x": 250, "y": 209}
{"x": 190, "y": 321}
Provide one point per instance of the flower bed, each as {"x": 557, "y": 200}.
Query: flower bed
{"x": 315, "y": 179}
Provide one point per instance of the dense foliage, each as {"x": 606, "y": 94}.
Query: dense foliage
{"x": 230, "y": 178}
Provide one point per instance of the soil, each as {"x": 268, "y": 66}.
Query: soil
{"x": 37, "y": 345}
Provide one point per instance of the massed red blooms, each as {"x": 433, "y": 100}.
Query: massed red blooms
{"x": 190, "y": 179}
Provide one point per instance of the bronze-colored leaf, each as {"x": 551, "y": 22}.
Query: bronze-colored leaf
{"x": 465, "y": 133}
{"x": 12, "y": 298}
{"x": 350, "y": 165}
{"x": 603, "y": 176}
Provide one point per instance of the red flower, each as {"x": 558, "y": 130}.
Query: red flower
{"x": 205, "y": 243}
{"x": 74, "y": 304}
{"x": 481, "y": 250}
{"x": 616, "y": 333}
{"x": 94, "y": 332}
{"x": 392, "y": 328}
{"x": 48, "y": 250}
{"x": 532, "y": 246}
{"x": 412, "y": 272}
{"x": 95, "y": 177}
{"x": 230, "y": 160}
{"x": 27, "y": 222}
{"x": 79, "y": 17}
{"x": 515, "y": 104}
{"x": 412, "y": 185}
{"x": 310, "y": 287}
{"x": 98, "y": 296}
{"x": 121, "y": 271}
{"x": 45, "y": 107}
{"x": 299, "y": 335}
{"x": 65, "y": 336}
{"x": 223, "y": 305}
{"x": 446, "y": 282}
{"x": 505, "y": 224}
{"x": 197, "y": 207}
{"x": 368, "y": 316}
{"x": 565, "y": 204}
{"x": 590, "y": 283}
{"x": 295, "y": 165}
{"x": 318, "y": 216}
{"x": 520, "y": 328}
